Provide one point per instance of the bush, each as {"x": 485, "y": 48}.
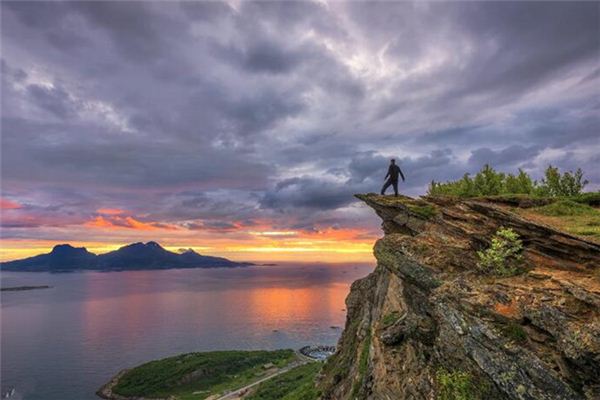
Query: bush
{"x": 504, "y": 256}
{"x": 589, "y": 198}
{"x": 489, "y": 182}
{"x": 563, "y": 208}
{"x": 568, "y": 184}
{"x": 515, "y": 332}
{"x": 456, "y": 385}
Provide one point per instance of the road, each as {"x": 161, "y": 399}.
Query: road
{"x": 302, "y": 359}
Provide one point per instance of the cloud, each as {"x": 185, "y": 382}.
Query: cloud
{"x": 7, "y": 204}
{"x": 262, "y": 116}
{"x": 509, "y": 156}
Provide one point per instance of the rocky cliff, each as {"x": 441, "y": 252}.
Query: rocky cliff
{"x": 427, "y": 325}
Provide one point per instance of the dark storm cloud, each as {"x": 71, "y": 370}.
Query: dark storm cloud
{"x": 262, "y": 56}
{"x": 139, "y": 32}
{"x": 307, "y": 192}
{"x": 509, "y": 156}
{"x": 120, "y": 162}
{"x": 212, "y": 114}
{"x": 531, "y": 41}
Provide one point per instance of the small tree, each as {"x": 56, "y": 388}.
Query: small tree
{"x": 504, "y": 256}
{"x": 488, "y": 182}
{"x": 520, "y": 184}
{"x": 568, "y": 184}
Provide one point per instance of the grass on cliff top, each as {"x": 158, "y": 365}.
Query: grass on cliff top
{"x": 425, "y": 211}
{"x": 296, "y": 384}
{"x": 204, "y": 373}
{"x": 420, "y": 208}
{"x": 570, "y": 216}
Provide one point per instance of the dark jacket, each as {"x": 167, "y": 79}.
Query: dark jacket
{"x": 393, "y": 172}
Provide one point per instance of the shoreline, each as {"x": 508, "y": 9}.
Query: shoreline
{"x": 105, "y": 392}
{"x": 302, "y": 357}
{"x": 23, "y": 288}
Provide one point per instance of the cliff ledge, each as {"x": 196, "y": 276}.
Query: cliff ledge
{"x": 426, "y": 313}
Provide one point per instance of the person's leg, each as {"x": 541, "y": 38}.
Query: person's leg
{"x": 395, "y": 184}
{"x": 385, "y": 186}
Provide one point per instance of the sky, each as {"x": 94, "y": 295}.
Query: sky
{"x": 242, "y": 129}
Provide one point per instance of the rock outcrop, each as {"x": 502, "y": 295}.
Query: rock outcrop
{"x": 426, "y": 310}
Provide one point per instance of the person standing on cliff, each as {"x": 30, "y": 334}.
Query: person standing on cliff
{"x": 393, "y": 172}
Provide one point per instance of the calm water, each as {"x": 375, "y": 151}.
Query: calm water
{"x": 63, "y": 343}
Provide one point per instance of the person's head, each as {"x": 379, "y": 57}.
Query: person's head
{"x": 393, "y": 161}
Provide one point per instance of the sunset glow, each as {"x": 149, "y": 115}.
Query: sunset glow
{"x": 184, "y": 124}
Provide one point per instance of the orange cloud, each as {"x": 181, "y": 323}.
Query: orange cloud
{"x": 110, "y": 211}
{"x": 118, "y": 222}
{"x": 135, "y": 224}
{"x": 6, "y": 204}
{"x": 99, "y": 222}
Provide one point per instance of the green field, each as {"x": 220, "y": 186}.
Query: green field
{"x": 568, "y": 215}
{"x": 296, "y": 384}
{"x": 199, "y": 375}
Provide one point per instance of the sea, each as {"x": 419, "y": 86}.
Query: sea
{"x": 64, "y": 342}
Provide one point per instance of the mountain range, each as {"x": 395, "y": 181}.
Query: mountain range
{"x": 135, "y": 256}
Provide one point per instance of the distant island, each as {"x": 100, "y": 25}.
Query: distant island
{"x": 23, "y": 288}
{"x": 135, "y": 256}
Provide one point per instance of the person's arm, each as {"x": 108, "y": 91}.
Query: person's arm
{"x": 401, "y": 174}
{"x": 389, "y": 173}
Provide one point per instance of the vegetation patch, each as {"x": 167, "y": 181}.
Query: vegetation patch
{"x": 296, "y": 384}
{"x": 455, "y": 385}
{"x": 515, "y": 332}
{"x": 504, "y": 257}
{"x": 589, "y": 198}
{"x": 390, "y": 319}
{"x": 489, "y": 182}
{"x": 203, "y": 373}
{"x": 425, "y": 211}
{"x": 571, "y": 216}
{"x": 363, "y": 364}
{"x": 563, "y": 208}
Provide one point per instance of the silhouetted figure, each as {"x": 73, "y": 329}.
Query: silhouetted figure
{"x": 393, "y": 172}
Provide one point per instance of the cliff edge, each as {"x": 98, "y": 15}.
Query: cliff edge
{"x": 426, "y": 324}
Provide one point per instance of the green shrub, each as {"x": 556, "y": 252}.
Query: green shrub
{"x": 519, "y": 184}
{"x": 563, "y": 208}
{"x": 504, "y": 256}
{"x": 515, "y": 332}
{"x": 455, "y": 385}
{"x": 554, "y": 184}
{"x": 489, "y": 182}
{"x": 589, "y": 198}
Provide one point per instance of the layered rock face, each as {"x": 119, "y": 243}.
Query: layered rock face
{"x": 426, "y": 310}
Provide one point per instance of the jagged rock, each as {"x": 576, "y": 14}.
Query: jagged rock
{"x": 426, "y": 308}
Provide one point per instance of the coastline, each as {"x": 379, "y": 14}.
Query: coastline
{"x": 106, "y": 391}
{"x": 301, "y": 357}
{"x": 23, "y": 288}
